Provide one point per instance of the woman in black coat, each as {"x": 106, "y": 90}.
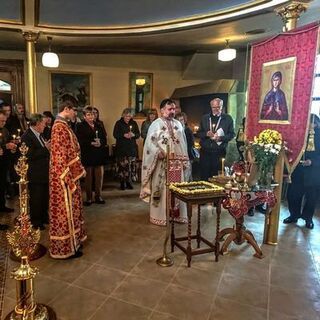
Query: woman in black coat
{"x": 92, "y": 142}
{"x": 126, "y": 131}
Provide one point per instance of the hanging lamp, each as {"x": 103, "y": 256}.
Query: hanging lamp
{"x": 50, "y": 59}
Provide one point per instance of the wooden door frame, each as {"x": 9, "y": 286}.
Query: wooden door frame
{"x": 16, "y": 70}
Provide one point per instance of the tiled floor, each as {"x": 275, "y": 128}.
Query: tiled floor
{"x": 117, "y": 277}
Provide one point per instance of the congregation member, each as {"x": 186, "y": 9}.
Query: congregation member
{"x": 74, "y": 120}
{"x": 5, "y": 148}
{"x": 17, "y": 123}
{"x": 66, "y": 232}
{"x": 304, "y": 189}
{"x": 38, "y": 172}
{"x": 92, "y": 140}
{"x": 151, "y": 116}
{"x": 99, "y": 122}
{"x": 49, "y": 120}
{"x": 216, "y": 130}
{"x": 126, "y": 132}
{"x": 163, "y": 131}
{"x": 6, "y": 108}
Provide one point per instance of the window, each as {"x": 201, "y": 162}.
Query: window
{"x": 315, "y": 104}
{"x": 5, "y": 86}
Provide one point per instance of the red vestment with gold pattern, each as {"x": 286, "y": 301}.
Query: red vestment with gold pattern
{"x": 65, "y": 205}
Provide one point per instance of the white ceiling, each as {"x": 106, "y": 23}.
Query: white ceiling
{"x": 200, "y": 37}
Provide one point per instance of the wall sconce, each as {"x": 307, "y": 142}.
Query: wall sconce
{"x": 50, "y": 59}
{"x": 140, "y": 82}
{"x": 227, "y": 54}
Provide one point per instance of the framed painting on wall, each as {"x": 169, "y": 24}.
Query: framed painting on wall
{"x": 73, "y": 86}
{"x": 140, "y": 92}
{"x": 276, "y": 93}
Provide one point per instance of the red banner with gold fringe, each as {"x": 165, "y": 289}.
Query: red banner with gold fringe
{"x": 280, "y": 87}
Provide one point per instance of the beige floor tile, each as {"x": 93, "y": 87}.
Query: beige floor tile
{"x": 114, "y": 309}
{"x": 76, "y": 303}
{"x": 248, "y": 269}
{"x": 140, "y": 291}
{"x": 224, "y": 309}
{"x": 162, "y": 316}
{"x": 100, "y": 279}
{"x": 8, "y": 306}
{"x": 185, "y": 304}
{"x": 204, "y": 281}
{"x": 243, "y": 291}
{"x": 298, "y": 303}
{"x": 67, "y": 270}
{"x": 273, "y": 315}
{"x": 120, "y": 260}
{"x": 291, "y": 278}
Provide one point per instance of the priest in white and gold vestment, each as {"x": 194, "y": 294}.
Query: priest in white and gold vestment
{"x": 164, "y": 131}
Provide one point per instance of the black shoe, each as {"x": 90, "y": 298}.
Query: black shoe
{"x": 99, "y": 201}
{"x": 250, "y": 212}
{"x": 309, "y": 224}
{"x": 122, "y": 186}
{"x": 289, "y": 220}
{"x": 6, "y": 210}
{"x": 260, "y": 209}
{"x": 87, "y": 203}
{"x": 78, "y": 254}
{"x": 129, "y": 185}
{"x": 4, "y": 227}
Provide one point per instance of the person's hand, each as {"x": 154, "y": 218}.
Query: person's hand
{"x": 161, "y": 155}
{"x": 306, "y": 163}
{"x": 127, "y": 135}
{"x": 48, "y": 145}
{"x": 210, "y": 134}
{"x": 11, "y": 146}
{"x": 131, "y": 134}
{"x": 277, "y": 109}
{"x": 216, "y": 137}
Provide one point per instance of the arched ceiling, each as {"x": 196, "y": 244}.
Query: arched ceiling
{"x": 142, "y": 26}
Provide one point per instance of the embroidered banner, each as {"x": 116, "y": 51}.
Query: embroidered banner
{"x": 280, "y": 87}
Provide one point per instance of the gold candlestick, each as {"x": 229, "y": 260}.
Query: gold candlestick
{"x": 165, "y": 260}
{"x": 24, "y": 240}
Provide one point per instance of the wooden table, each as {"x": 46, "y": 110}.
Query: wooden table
{"x": 198, "y": 200}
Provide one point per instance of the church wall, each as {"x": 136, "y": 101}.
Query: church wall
{"x": 110, "y": 79}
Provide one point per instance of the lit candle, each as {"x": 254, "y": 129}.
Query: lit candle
{"x": 97, "y": 135}
{"x": 222, "y": 165}
{"x": 28, "y": 122}
{"x": 130, "y": 128}
{"x": 195, "y": 128}
{"x": 210, "y": 124}
{"x": 14, "y": 137}
{"x": 18, "y": 132}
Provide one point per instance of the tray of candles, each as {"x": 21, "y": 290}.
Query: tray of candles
{"x": 196, "y": 188}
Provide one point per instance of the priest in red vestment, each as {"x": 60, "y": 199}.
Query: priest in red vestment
{"x": 65, "y": 213}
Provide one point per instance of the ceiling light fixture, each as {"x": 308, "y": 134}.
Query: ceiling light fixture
{"x": 227, "y": 54}
{"x": 50, "y": 59}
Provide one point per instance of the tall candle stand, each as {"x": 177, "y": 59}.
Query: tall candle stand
{"x": 22, "y": 169}
{"x": 24, "y": 240}
{"x": 165, "y": 260}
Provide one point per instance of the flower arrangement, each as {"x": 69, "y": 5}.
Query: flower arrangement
{"x": 239, "y": 167}
{"x": 266, "y": 148}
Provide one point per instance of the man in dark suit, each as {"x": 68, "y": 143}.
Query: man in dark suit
{"x": 38, "y": 172}
{"x": 6, "y": 147}
{"x": 216, "y": 130}
{"x": 303, "y": 192}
